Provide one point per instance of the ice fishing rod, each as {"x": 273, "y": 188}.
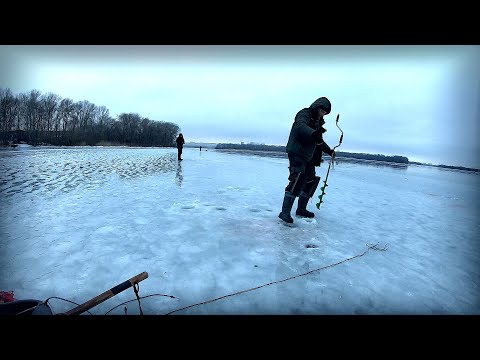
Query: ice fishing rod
{"x": 320, "y": 197}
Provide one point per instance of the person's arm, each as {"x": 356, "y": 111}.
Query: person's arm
{"x": 326, "y": 149}
{"x": 303, "y": 130}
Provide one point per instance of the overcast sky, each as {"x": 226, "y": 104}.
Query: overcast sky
{"x": 416, "y": 101}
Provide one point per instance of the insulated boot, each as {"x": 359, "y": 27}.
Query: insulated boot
{"x": 302, "y": 206}
{"x": 288, "y": 201}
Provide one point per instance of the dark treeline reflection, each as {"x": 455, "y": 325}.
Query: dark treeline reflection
{"x": 396, "y": 161}
{"x": 338, "y": 158}
{"x": 340, "y": 154}
{"x": 39, "y": 119}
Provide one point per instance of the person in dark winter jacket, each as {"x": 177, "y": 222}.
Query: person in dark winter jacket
{"x": 305, "y": 147}
{"x": 180, "y": 141}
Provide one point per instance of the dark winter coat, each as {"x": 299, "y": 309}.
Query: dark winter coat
{"x": 306, "y": 133}
{"x": 180, "y": 141}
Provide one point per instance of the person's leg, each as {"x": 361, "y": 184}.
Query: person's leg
{"x": 292, "y": 190}
{"x": 311, "y": 183}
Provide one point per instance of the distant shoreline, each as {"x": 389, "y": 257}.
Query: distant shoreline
{"x": 348, "y": 156}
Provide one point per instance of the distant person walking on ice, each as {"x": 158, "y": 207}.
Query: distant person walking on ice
{"x": 305, "y": 147}
{"x": 180, "y": 141}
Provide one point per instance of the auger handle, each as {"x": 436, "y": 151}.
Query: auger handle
{"x": 107, "y": 294}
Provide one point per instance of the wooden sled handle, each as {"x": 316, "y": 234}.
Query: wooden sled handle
{"x": 108, "y": 294}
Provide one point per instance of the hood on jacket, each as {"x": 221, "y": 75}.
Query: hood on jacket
{"x": 322, "y": 102}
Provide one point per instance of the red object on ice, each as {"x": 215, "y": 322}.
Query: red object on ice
{"x": 6, "y": 296}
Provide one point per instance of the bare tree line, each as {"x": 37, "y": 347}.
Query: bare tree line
{"x": 36, "y": 119}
